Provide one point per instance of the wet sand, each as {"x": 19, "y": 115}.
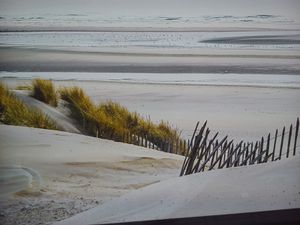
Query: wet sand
{"x": 53, "y": 60}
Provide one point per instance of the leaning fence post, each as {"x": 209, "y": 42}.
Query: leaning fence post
{"x": 253, "y": 153}
{"x": 267, "y": 149}
{"x": 296, "y": 136}
{"x": 274, "y": 147}
{"x": 261, "y": 149}
{"x": 281, "y": 144}
{"x": 289, "y": 141}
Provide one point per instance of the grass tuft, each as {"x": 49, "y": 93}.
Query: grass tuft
{"x": 14, "y": 112}
{"x": 44, "y": 91}
{"x": 24, "y": 87}
{"x": 111, "y": 120}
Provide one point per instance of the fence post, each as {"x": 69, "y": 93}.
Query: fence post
{"x": 261, "y": 149}
{"x": 253, "y": 153}
{"x": 138, "y": 141}
{"x": 296, "y": 136}
{"x": 267, "y": 149}
{"x": 274, "y": 147}
{"x": 281, "y": 144}
{"x": 146, "y": 142}
{"x": 247, "y": 153}
{"x": 289, "y": 141}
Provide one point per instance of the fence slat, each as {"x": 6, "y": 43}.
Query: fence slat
{"x": 281, "y": 143}
{"x": 204, "y": 149}
{"x": 221, "y": 155}
{"x": 274, "y": 146}
{"x": 187, "y": 167}
{"x": 261, "y": 149}
{"x": 210, "y": 155}
{"x": 267, "y": 148}
{"x": 296, "y": 136}
{"x": 289, "y": 141}
{"x": 229, "y": 158}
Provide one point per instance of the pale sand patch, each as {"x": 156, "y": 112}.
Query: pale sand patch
{"x": 76, "y": 172}
{"x": 255, "y": 188}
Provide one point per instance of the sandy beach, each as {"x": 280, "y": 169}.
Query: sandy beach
{"x": 235, "y": 65}
{"x": 184, "y": 52}
{"x": 70, "y": 173}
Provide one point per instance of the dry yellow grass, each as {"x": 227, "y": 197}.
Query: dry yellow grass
{"x": 111, "y": 120}
{"x": 14, "y": 112}
{"x": 44, "y": 91}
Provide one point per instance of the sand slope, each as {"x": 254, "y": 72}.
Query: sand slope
{"x": 256, "y": 188}
{"x": 62, "y": 173}
{"x": 60, "y": 118}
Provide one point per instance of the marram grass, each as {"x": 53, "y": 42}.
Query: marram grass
{"x": 14, "y": 112}
{"x": 111, "y": 120}
{"x": 44, "y": 91}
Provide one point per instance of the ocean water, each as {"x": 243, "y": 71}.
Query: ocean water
{"x": 98, "y": 20}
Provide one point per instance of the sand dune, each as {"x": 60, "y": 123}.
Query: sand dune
{"x": 256, "y": 188}
{"x": 59, "y": 114}
{"x": 77, "y": 172}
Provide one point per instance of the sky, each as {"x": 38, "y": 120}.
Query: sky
{"x": 113, "y": 8}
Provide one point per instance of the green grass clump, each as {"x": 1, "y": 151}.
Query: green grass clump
{"x": 44, "y": 91}
{"x": 14, "y": 112}
{"x": 111, "y": 120}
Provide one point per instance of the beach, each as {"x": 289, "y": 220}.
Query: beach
{"x": 244, "y": 81}
{"x": 239, "y": 71}
{"x": 59, "y": 174}
{"x": 215, "y": 51}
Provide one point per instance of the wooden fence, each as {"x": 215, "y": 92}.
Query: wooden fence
{"x": 206, "y": 153}
{"x": 178, "y": 146}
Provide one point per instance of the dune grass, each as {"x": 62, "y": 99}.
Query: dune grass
{"x": 24, "y": 87}
{"x": 111, "y": 120}
{"x": 44, "y": 91}
{"x": 14, "y": 112}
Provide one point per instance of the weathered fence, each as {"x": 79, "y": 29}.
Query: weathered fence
{"x": 178, "y": 146}
{"x": 206, "y": 153}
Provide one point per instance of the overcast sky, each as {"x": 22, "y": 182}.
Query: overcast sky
{"x": 290, "y": 8}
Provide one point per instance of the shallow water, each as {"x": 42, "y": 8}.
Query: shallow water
{"x": 282, "y": 40}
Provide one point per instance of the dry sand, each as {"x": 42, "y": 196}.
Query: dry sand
{"x": 75, "y": 172}
{"x": 255, "y": 188}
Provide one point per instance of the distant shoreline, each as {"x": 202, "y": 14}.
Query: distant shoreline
{"x": 135, "y": 29}
{"x": 93, "y": 67}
